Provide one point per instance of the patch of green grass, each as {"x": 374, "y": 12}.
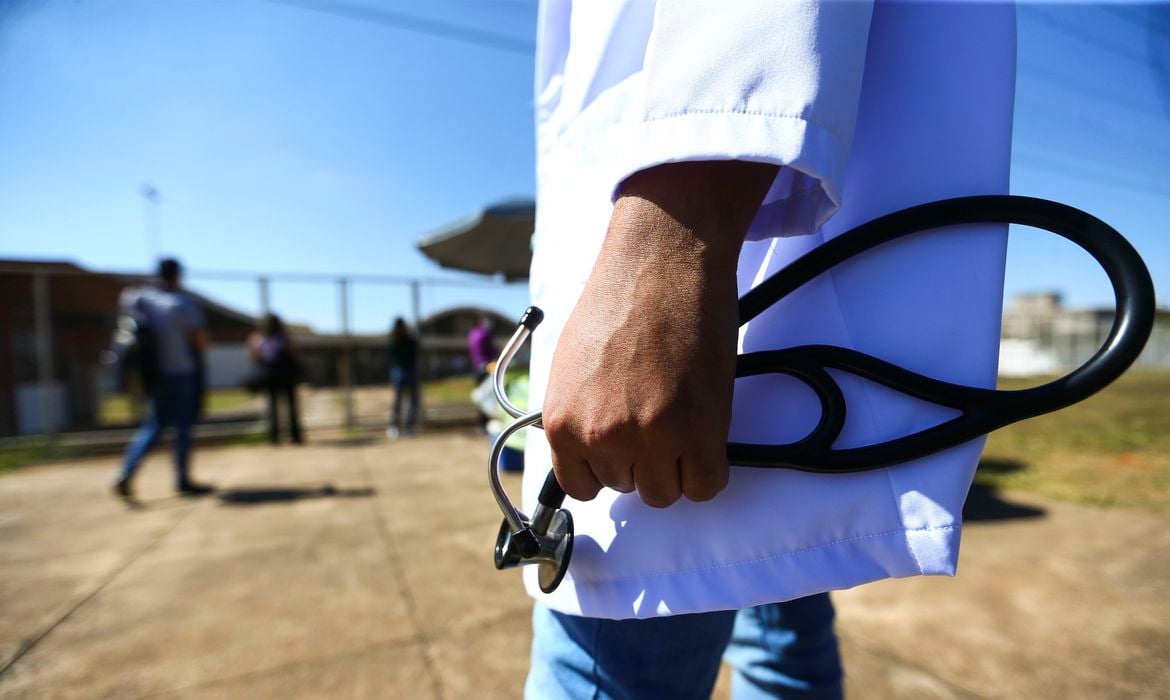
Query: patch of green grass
{"x": 34, "y": 452}
{"x": 436, "y": 392}
{"x": 449, "y": 390}
{"x": 223, "y": 400}
{"x": 120, "y": 409}
{"x": 1111, "y": 449}
{"x": 116, "y": 409}
{"x": 1131, "y": 414}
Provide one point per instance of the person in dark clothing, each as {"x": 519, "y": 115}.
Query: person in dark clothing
{"x": 278, "y": 358}
{"x": 404, "y": 378}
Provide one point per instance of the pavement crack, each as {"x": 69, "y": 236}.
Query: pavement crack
{"x": 32, "y": 642}
{"x": 399, "y": 575}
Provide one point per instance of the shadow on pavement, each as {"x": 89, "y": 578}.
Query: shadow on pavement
{"x": 984, "y": 503}
{"x": 259, "y": 495}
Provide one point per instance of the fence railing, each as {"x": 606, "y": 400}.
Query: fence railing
{"x": 57, "y": 318}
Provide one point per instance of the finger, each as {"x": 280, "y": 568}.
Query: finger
{"x": 615, "y": 472}
{"x": 575, "y": 477}
{"x": 703, "y": 474}
{"x": 657, "y": 481}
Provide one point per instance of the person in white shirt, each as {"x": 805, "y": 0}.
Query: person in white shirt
{"x": 686, "y": 150}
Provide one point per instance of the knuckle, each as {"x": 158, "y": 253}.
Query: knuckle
{"x": 557, "y": 428}
{"x": 604, "y": 434}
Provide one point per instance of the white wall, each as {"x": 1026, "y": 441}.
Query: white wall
{"x": 1025, "y": 358}
{"x": 228, "y": 365}
{"x": 28, "y": 407}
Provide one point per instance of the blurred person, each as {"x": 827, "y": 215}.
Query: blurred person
{"x": 482, "y": 350}
{"x": 278, "y": 358}
{"x": 174, "y": 324}
{"x": 403, "y": 378}
{"x": 685, "y": 151}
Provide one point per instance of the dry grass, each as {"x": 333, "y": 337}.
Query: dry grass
{"x": 1112, "y": 449}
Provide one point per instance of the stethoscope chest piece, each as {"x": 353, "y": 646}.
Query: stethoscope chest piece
{"x": 555, "y": 549}
{"x": 546, "y": 539}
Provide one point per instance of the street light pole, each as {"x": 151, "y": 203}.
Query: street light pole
{"x": 153, "y": 220}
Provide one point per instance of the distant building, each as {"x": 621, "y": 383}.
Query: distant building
{"x": 83, "y": 308}
{"x": 1041, "y": 336}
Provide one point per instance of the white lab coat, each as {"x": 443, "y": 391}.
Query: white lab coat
{"x": 869, "y": 108}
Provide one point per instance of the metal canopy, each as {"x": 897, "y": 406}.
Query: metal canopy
{"x": 494, "y": 241}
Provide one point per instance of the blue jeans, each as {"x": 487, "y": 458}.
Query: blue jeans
{"x": 781, "y": 650}
{"x": 172, "y": 404}
{"x": 404, "y": 381}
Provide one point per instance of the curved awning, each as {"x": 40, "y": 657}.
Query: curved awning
{"x": 494, "y": 241}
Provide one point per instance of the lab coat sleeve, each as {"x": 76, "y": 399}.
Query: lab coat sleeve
{"x": 759, "y": 80}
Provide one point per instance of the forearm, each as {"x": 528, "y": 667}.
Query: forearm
{"x": 695, "y": 211}
{"x": 640, "y": 392}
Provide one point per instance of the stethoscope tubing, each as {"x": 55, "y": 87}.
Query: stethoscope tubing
{"x": 982, "y": 410}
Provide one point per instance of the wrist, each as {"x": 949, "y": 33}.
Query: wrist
{"x": 642, "y": 229}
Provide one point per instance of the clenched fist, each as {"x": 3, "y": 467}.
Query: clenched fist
{"x": 639, "y": 398}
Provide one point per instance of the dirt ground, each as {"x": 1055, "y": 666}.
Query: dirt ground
{"x": 361, "y": 568}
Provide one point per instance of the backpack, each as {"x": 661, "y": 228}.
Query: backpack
{"x": 132, "y": 353}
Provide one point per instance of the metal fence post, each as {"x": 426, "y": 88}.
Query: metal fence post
{"x": 416, "y": 303}
{"x": 346, "y": 353}
{"x": 42, "y": 318}
{"x": 265, "y": 305}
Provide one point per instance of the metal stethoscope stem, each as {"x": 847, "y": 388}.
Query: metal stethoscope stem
{"x": 547, "y": 538}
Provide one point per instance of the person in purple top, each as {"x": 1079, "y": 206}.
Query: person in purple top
{"x": 483, "y": 352}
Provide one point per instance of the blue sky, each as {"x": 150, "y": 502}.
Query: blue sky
{"x": 283, "y": 138}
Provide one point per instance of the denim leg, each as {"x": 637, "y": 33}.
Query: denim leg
{"x": 186, "y": 399}
{"x": 583, "y": 658}
{"x": 412, "y": 407}
{"x": 146, "y": 436}
{"x": 397, "y": 380}
{"x": 786, "y": 650}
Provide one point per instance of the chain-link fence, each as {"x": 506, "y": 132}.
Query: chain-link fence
{"x": 58, "y": 319}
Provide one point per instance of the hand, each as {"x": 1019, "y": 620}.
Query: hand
{"x": 639, "y": 398}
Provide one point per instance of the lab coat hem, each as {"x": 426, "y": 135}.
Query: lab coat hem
{"x": 773, "y": 578}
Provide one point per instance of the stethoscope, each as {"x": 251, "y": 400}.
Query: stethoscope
{"x": 546, "y": 539}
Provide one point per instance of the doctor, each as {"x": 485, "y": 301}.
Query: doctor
{"x": 686, "y": 150}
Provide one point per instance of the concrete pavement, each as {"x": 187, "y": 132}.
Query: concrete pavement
{"x": 355, "y": 569}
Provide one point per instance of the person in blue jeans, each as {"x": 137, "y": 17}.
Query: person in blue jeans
{"x": 403, "y": 378}
{"x": 780, "y": 650}
{"x": 177, "y": 338}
